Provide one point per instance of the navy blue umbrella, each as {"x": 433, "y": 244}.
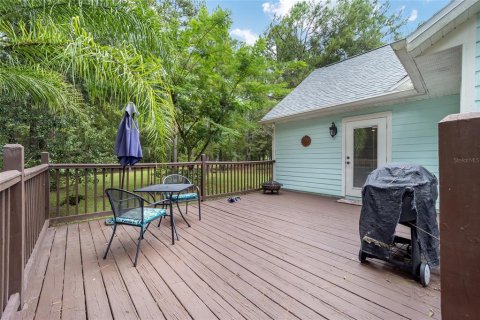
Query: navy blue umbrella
{"x": 127, "y": 143}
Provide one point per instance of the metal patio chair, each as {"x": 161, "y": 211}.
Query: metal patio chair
{"x": 192, "y": 194}
{"x": 129, "y": 209}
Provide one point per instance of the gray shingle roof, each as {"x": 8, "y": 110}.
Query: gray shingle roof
{"x": 365, "y": 76}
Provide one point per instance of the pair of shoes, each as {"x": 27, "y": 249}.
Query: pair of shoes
{"x": 233, "y": 199}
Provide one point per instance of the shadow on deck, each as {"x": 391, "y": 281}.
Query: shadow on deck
{"x": 280, "y": 256}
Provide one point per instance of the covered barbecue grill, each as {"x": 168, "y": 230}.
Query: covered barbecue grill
{"x": 406, "y": 194}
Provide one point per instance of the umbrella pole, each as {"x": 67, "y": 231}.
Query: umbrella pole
{"x": 123, "y": 177}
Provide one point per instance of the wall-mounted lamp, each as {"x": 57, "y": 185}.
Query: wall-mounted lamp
{"x": 333, "y": 130}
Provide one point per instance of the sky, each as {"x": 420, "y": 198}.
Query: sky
{"x": 252, "y": 17}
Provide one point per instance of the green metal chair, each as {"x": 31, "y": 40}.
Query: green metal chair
{"x": 184, "y": 197}
{"x": 129, "y": 209}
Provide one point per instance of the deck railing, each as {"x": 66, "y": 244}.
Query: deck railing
{"x": 23, "y": 214}
{"x": 78, "y": 190}
{"x": 33, "y": 198}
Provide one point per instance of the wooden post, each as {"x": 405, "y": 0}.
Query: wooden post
{"x": 46, "y": 187}
{"x": 13, "y": 159}
{"x": 203, "y": 178}
{"x": 459, "y": 155}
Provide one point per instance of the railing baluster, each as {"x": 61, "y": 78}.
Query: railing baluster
{"x": 95, "y": 207}
{"x": 228, "y": 167}
{"x": 219, "y": 175}
{"x": 249, "y": 176}
{"x": 103, "y": 189}
{"x": 134, "y": 178}
{"x": 263, "y": 172}
{"x": 210, "y": 179}
{"x": 247, "y": 169}
{"x": 271, "y": 170}
{"x": 85, "y": 181}
{"x": 127, "y": 171}
{"x": 239, "y": 181}
{"x": 119, "y": 179}
{"x": 57, "y": 183}
{"x": 225, "y": 178}
{"x": 216, "y": 179}
{"x": 148, "y": 176}
{"x": 67, "y": 192}
{"x": 112, "y": 174}
{"x": 252, "y": 176}
{"x": 235, "y": 177}
{"x": 206, "y": 174}
{"x": 244, "y": 178}
{"x": 76, "y": 192}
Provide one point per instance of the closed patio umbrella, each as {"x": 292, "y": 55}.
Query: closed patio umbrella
{"x": 127, "y": 143}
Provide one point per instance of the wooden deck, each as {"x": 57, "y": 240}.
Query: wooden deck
{"x": 283, "y": 256}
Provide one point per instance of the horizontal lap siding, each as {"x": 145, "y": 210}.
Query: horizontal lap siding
{"x": 318, "y": 168}
{"x": 477, "y": 65}
{"x": 420, "y": 117}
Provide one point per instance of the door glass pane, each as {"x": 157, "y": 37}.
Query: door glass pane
{"x": 364, "y": 154}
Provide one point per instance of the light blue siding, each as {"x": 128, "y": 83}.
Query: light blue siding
{"x": 318, "y": 168}
{"x": 477, "y": 65}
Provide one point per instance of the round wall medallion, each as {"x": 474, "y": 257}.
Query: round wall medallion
{"x": 306, "y": 141}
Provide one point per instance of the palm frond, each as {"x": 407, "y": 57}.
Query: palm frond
{"x": 39, "y": 87}
{"x": 111, "y": 22}
{"x": 104, "y": 48}
{"x": 119, "y": 74}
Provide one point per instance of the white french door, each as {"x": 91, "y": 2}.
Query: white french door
{"x": 366, "y": 148}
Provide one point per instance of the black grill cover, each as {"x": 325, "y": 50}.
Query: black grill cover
{"x": 383, "y": 194}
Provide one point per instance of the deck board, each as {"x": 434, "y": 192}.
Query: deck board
{"x": 121, "y": 304}
{"x": 50, "y": 303}
{"x": 189, "y": 300}
{"x": 218, "y": 306}
{"x": 299, "y": 254}
{"x": 327, "y": 292}
{"x": 73, "y": 306}
{"x": 96, "y": 299}
{"x": 144, "y": 303}
{"x": 161, "y": 292}
{"x": 293, "y": 260}
{"x": 37, "y": 276}
{"x": 286, "y": 256}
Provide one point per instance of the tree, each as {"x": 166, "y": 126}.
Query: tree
{"x": 321, "y": 33}
{"x": 77, "y": 56}
{"x": 84, "y": 137}
{"x": 214, "y": 80}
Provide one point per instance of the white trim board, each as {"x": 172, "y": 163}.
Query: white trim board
{"x": 388, "y": 116}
